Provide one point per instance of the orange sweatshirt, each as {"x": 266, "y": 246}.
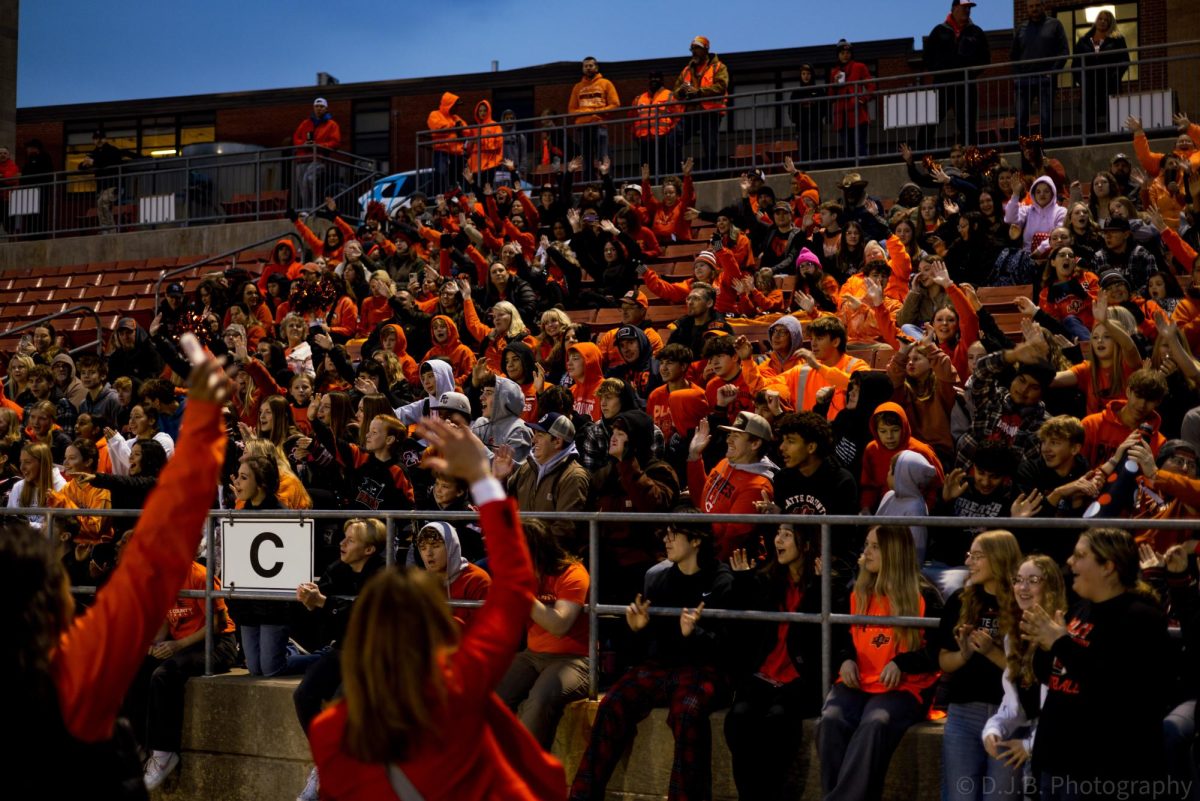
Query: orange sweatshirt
{"x": 877, "y": 460}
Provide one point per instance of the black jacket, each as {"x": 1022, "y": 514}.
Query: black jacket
{"x": 671, "y": 588}
{"x": 945, "y": 51}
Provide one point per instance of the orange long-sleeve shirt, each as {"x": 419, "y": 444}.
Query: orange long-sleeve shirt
{"x": 99, "y": 655}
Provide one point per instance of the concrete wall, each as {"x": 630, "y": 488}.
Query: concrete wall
{"x": 195, "y": 241}
{"x": 10, "y": 12}
{"x": 241, "y": 742}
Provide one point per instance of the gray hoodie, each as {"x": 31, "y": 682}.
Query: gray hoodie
{"x": 793, "y": 326}
{"x": 912, "y": 476}
{"x": 74, "y": 390}
{"x": 443, "y": 373}
{"x": 505, "y": 426}
{"x": 455, "y": 562}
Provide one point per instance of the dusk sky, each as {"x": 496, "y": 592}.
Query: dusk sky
{"x": 76, "y": 52}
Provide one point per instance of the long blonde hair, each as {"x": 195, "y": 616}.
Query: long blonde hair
{"x": 35, "y": 493}
{"x": 1020, "y": 651}
{"x": 516, "y": 326}
{"x": 1004, "y": 556}
{"x": 898, "y": 580}
{"x": 391, "y": 676}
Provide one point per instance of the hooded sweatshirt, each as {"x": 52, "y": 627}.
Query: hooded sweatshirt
{"x": 851, "y": 429}
{"x": 441, "y": 122}
{"x": 74, "y": 390}
{"x": 528, "y": 364}
{"x": 730, "y": 489}
{"x": 288, "y": 266}
{"x": 877, "y": 459}
{"x": 505, "y": 426}
{"x": 485, "y": 142}
{"x": 460, "y": 358}
{"x": 638, "y": 374}
{"x": 593, "y": 373}
{"x": 914, "y": 475}
{"x": 464, "y": 581}
{"x": 774, "y": 365}
{"x": 409, "y": 366}
{"x": 443, "y": 375}
{"x": 1035, "y": 219}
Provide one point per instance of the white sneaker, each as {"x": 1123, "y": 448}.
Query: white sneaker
{"x": 312, "y": 790}
{"x": 160, "y": 765}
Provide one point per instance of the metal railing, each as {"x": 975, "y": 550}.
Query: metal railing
{"x": 988, "y": 106}
{"x": 72, "y": 311}
{"x": 827, "y": 618}
{"x": 150, "y": 193}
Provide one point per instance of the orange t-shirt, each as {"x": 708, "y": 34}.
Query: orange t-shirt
{"x": 1083, "y": 379}
{"x": 877, "y": 645}
{"x": 570, "y": 585}
{"x": 186, "y": 617}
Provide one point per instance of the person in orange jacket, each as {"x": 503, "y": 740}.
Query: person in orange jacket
{"x": 703, "y": 84}
{"x": 744, "y": 477}
{"x": 318, "y": 130}
{"x": 485, "y": 144}
{"x": 75, "y": 671}
{"x": 826, "y": 366}
{"x": 283, "y": 262}
{"x": 654, "y": 124}
{"x": 447, "y": 138}
{"x": 585, "y": 366}
{"x": 1187, "y": 144}
{"x": 591, "y": 98}
{"x": 448, "y": 347}
{"x": 892, "y": 435}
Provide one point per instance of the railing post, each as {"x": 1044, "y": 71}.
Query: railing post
{"x": 593, "y": 614}
{"x": 49, "y": 525}
{"x": 826, "y": 607}
{"x": 1083, "y": 104}
{"x": 390, "y": 556}
{"x": 210, "y": 573}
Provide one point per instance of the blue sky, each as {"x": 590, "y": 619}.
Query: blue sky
{"x": 76, "y": 52}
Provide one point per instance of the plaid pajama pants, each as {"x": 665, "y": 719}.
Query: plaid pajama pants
{"x": 690, "y": 694}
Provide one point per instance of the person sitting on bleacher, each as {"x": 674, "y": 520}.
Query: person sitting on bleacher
{"x": 826, "y": 366}
{"x": 701, "y": 318}
{"x": 638, "y": 368}
{"x": 634, "y": 305}
{"x": 668, "y": 217}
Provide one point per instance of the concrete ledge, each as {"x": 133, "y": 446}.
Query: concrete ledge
{"x": 241, "y": 742}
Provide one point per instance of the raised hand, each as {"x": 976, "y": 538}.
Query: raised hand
{"x": 874, "y": 293}
{"x": 1026, "y": 306}
{"x": 738, "y": 561}
{"x": 637, "y": 614}
{"x": 504, "y": 461}
{"x": 1100, "y": 308}
{"x": 804, "y": 300}
{"x": 950, "y": 206}
{"x": 1039, "y": 628}
{"x": 575, "y": 164}
{"x": 700, "y": 440}
{"x": 1148, "y": 558}
{"x": 603, "y": 165}
{"x": 789, "y": 166}
{"x": 645, "y": 173}
{"x": 457, "y": 452}
{"x": 743, "y": 347}
{"x": 956, "y": 484}
{"x": 906, "y": 153}
{"x": 687, "y": 165}
{"x": 1134, "y": 124}
{"x": 691, "y": 214}
{"x": 1182, "y": 122}
{"x": 1027, "y": 505}
{"x": 939, "y": 274}
{"x": 766, "y": 506}
{"x": 727, "y": 394}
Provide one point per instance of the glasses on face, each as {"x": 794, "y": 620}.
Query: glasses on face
{"x": 1031, "y": 581}
{"x": 976, "y": 556}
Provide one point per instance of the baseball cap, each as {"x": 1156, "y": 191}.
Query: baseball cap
{"x": 1119, "y": 157}
{"x": 1116, "y": 224}
{"x": 310, "y": 267}
{"x": 175, "y": 289}
{"x": 752, "y": 424}
{"x": 700, "y": 41}
{"x": 453, "y": 402}
{"x": 556, "y": 425}
{"x": 127, "y": 323}
{"x": 966, "y": 3}
{"x": 590, "y": 215}
{"x": 320, "y": 101}
{"x": 625, "y": 332}
{"x": 634, "y": 296}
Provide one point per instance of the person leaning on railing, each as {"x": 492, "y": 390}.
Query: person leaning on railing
{"x": 73, "y": 673}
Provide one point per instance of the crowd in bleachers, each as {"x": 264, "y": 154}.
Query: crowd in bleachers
{"x": 998, "y": 340}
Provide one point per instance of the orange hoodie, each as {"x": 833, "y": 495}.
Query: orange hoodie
{"x": 730, "y": 490}
{"x": 658, "y": 406}
{"x": 877, "y": 460}
{"x": 442, "y": 122}
{"x": 412, "y": 371}
{"x": 593, "y": 373}
{"x": 485, "y": 140}
{"x": 1103, "y": 433}
{"x": 459, "y": 356}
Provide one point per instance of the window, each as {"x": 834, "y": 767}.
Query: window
{"x": 372, "y": 128}
{"x": 1078, "y": 21}
{"x": 149, "y": 137}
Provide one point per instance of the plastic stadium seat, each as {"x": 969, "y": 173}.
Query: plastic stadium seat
{"x": 582, "y": 315}
{"x": 26, "y": 283}
{"x": 160, "y": 264}
{"x": 665, "y": 314}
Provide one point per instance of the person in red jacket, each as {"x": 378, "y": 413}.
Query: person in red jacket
{"x": 850, "y": 116}
{"x": 283, "y": 262}
{"x": 1106, "y": 431}
{"x": 450, "y": 737}
{"x": 744, "y": 477}
{"x": 318, "y": 130}
{"x": 73, "y": 671}
{"x": 449, "y": 347}
{"x": 889, "y": 427}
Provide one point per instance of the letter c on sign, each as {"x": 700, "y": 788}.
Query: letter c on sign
{"x": 265, "y": 572}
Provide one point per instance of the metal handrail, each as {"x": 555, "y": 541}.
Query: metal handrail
{"x": 826, "y": 618}
{"x": 99, "y": 343}
{"x": 174, "y": 271}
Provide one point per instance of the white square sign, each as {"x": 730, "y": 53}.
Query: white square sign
{"x": 266, "y": 554}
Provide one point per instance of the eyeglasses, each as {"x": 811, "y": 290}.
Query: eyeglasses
{"x": 1182, "y": 461}
{"x": 976, "y": 556}
{"x": 1031, "y": 581}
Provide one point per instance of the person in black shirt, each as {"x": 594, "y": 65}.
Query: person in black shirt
{"x": 972, "y": 658}
{"x": 1056, "y": 485}
{"x": 1107, "y": 670}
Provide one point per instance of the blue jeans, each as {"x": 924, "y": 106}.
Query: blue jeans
{"x": 968, "y": 773}
{"x": 856, "y": 736}
{"x": 1043, "y": 87}
{"x": 852, "y": 140}
{"x": 266, "y": 650}
{"x": 1076, "y": 328}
